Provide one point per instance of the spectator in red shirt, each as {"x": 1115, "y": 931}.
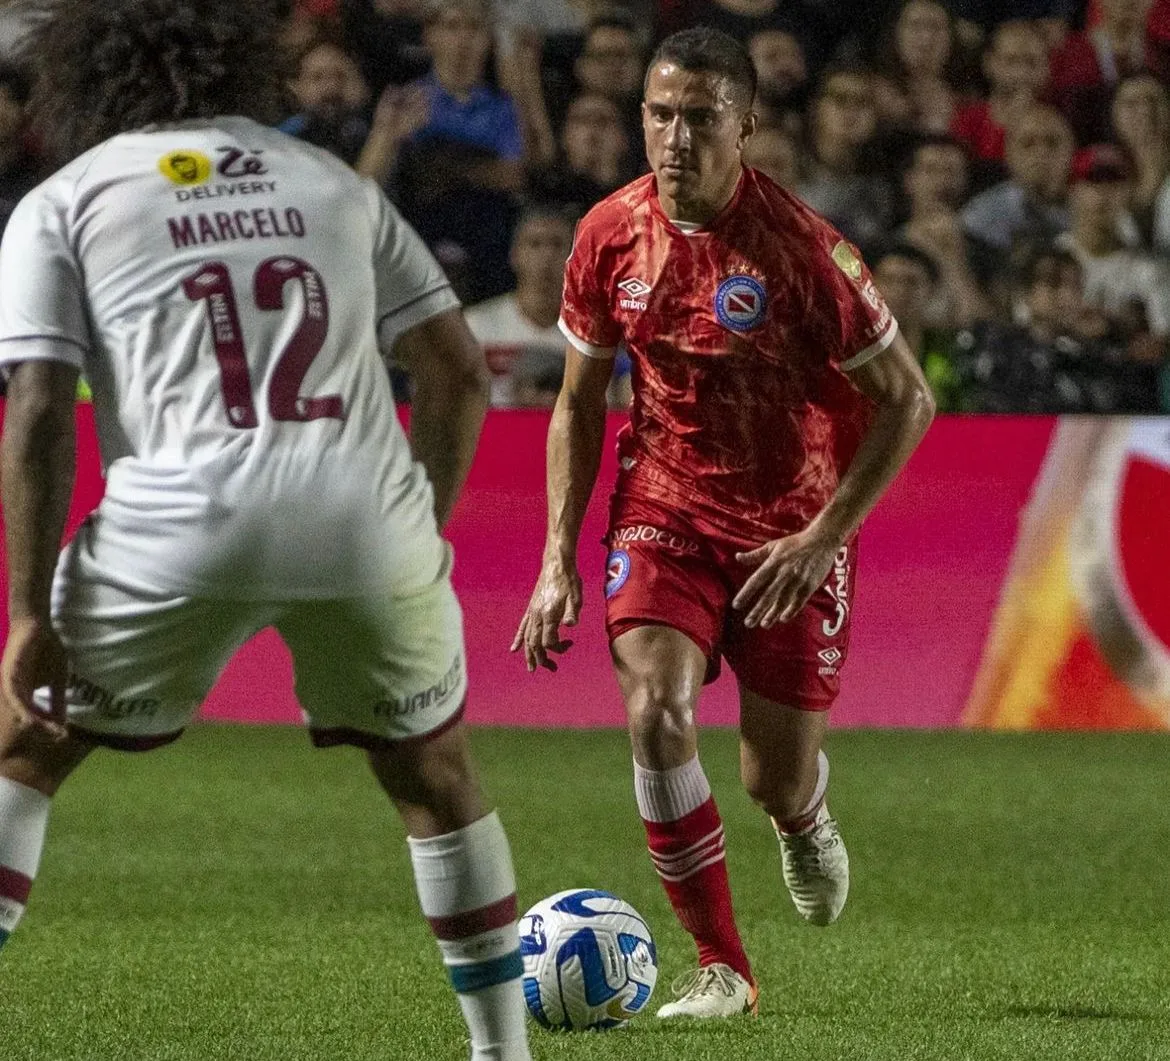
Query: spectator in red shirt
{"x": 1016, "y": 66}
{"x": 1089, "y": 64}
{"x": 1158, "y": 39}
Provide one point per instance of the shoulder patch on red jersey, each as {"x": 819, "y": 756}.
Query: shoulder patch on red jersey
{"x": 847, "y": 260}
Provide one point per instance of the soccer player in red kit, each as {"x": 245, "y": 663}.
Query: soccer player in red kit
{"x": 774, "y": 401}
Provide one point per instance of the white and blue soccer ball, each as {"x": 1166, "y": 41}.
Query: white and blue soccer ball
{"x": 589, "y": 961}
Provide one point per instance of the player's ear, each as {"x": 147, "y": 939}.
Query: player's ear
{"x": 747, "y": 127}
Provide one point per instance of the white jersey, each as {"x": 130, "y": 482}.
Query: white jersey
{"x": 228, "y": 292}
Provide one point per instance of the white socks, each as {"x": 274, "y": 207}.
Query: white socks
{"x": 668, "y": 795}
{"x": 24, "y": 816}
{"x": 468, "y": 893}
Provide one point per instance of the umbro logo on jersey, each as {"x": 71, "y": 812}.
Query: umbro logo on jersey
{"x": 635, "y": 291}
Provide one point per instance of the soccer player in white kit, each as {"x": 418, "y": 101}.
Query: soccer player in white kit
{"x": 229, "y": 294}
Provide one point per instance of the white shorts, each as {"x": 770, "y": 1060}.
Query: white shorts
{"x": 367, "y": 670}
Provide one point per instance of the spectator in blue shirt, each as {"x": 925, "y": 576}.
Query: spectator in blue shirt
{"x": 463, "y": 108}
{"x": 450, "y": 149}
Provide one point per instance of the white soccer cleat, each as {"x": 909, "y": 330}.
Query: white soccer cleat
{"x": 712, "y": 991}
{"x": 816, "y": 869}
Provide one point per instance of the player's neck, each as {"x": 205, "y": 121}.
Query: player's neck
{"x": 699, "y": 211}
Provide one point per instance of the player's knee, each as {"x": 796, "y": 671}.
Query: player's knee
{"x": 31, "y": 757}
{"x": 661, "y": 713}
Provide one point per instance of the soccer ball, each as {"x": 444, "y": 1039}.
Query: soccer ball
{"x": 589, "y": 961}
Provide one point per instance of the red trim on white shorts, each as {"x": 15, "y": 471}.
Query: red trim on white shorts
{"x": 371, "y": 742}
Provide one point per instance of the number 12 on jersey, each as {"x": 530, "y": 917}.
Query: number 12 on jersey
{"x": 212, "y": 285}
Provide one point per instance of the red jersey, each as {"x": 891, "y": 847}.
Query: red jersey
{"x": 982, "y": 134}
{"x": 740, "y": 335}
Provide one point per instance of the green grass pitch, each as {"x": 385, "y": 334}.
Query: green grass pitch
{"x": 240, "y": 896}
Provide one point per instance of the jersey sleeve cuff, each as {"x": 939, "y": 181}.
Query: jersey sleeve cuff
{"x": 17, "y": 348}
{"x": 601, "y": 353}
{"x": 413, "y": 313}
{"x": 871, "y": 351}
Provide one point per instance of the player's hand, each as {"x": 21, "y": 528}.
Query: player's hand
{"x": 788, "y": 571}
{"x": 556, "y": 602}
{"x": 34, "y": 657}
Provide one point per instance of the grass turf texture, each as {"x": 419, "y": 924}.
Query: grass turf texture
{"x": 239, "y": 896}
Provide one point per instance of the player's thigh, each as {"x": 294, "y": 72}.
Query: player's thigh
{"x": 660, "y": 574}
{"x": 799, "y": 663}
{"x": 661, "y": 672}
{"x": 142, "y": 659}
{"x": 382, "y": 668}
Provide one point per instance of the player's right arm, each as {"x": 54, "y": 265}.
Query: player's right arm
{"x": 575, "y": 438}
{"x": 44, "y": 334}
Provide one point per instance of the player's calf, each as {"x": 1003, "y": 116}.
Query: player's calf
{"x": 466, "y": 885}
{"x": 467, "y": 891}
{"x": 24, "y": 816}
{"x": 32, "y": 768}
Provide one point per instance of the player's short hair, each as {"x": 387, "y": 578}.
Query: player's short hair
{"x": 104, "y": 67}
{"x": 710, "y": 51}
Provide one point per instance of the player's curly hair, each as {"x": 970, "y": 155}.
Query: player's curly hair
{"x": 103, "y": 67}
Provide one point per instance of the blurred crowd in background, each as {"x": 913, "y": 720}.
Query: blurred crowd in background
{"x": 1004, "y": 165}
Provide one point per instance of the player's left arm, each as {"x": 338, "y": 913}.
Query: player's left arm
{"x": 903, "y": 410}
{"x": 421, "y": 326}
{"x": 37, "y": 467}
{"x": 790, "y": 569}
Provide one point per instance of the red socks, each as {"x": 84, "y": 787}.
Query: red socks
{"x": 685, "y": 837}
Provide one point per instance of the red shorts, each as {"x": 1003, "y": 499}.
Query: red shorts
{"x": 666, "y": 569}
